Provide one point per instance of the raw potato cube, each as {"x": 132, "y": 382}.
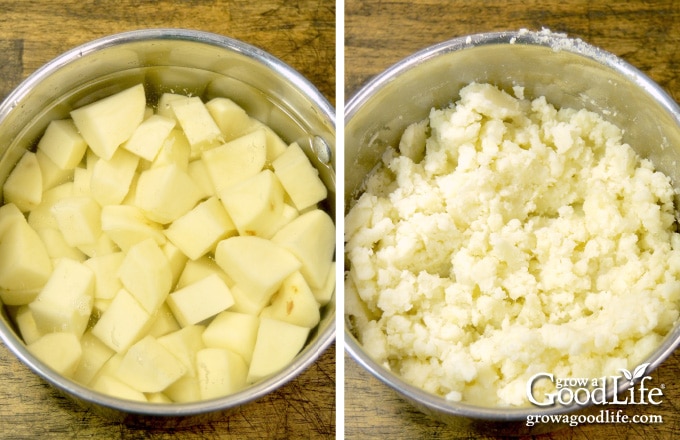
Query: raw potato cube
{"x": 79, "y": 219}
{"x": 311, "y": 238}
{"x": 111, "y": 386}
{"x": 63, "y": 144}
{"x": 61, "y": 351}
{"x": 65, "y": 303}
{"x": 27, "y": 326}
{"x": 294, "y": 303}
{"x": 9, "y": 213}
{"x": 166, "y": 193}
{"x": 245, "y": 303}
{"x": 299, "y": 177}
{"x": 164, "y": 107}
{"x": 324, "y": 293}
{"x": 164, "y": 322}
{"x": 220, "y": 372}
{"x": 197, "y": 124}
{"x": 198, "y": 231}
{"x": 149, "y": 367}
{"x": 149, "y": 136}
{"x": 24, "y": 185}
{"x": 157, "y": 398}
{"x": 184, "y": 344}
{"x": 196, "y": 270}
{"x": 233, "y": 331}
{"x": 110, "y": 180}
{"x": 236, "y": 160}
{"x": 105, "y": 269}
{"x": 56, "y": 245}
{"x": 41, "y": 216}
{"x": 107, "y": 123}
{"x": 123, "y": 323}
{"x": 199, "y": 174}
{"x": 184, "y": 390}
{"x": 275, "y": 145}
{"x": 127, "y": 225}
{"x": 94, "y": 355}
{"x": 145, "y": 273}
{"x": 103, "y": 246}
{"x": 255, "y": 205}
{"x": 175, "y": 150}
{"x": 229, "y": 117}
{"x": 200, "y": 300}
{"x": 245, "y": 258}
{"x": 276, "y": 346}
{"x": 176, "y": 259}
{"x": 52, "y": 175}
{"x": 25, "y": 261}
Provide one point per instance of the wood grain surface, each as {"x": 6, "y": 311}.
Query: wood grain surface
{"x": 302, "y": 34}
{"x": 380, "y": 33}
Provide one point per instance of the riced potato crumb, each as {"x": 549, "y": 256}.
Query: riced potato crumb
{"x": 507, "y": 238}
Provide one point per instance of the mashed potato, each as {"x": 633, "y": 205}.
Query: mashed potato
{"x": 505, "y": 238}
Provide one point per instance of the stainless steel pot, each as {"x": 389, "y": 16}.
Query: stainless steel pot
{"x": 569, "y": 73}
{"x": 183, "y": 61}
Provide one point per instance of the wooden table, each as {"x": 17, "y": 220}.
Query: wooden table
{"x": 380, "y": 33}
{"x": 302, "y": 34}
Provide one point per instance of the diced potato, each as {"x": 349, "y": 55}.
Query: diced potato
{"x": 56, "y": 245}
{"x": 111, "y": 386}
{"x": 157, "y": 398}
{"x": 220, "y": 372}
{"x": 18, "y": 297}
{"x": 236, "y": 160}
{"x": 149, "y": 367}
{"x": 199, "y": 174}
{"x": 184, "y": 344}
{"x": 111, "y": 179}
{"x": 243, "y": 259}
{"x": 175, "y": 150}
{"x": 61, "y": 351}
{"x": 79, "y": 219}
{"x": 41, "y": 216}
{"x": 107, "y": 123}
{"x": 9, "y": 213}
{"x": 294, "y": 303}
{"x": 197, "y": 124}
{"x": 149, "y": 136}
{"x": 103, "y": 246}
{"x": 245, "y": 303}
{"x": 184, "y": 390}
{"x": 275, "y": 145}
{"x": 276, "y": 346}
{"x": 52, "y": 175}
{"x": 63, "y": 144}
{"x": 166, "y": 193}
{"x": 26, "y": 324}
{"x": 164, "y": 322}
{"x": 105, "y": 269}
{"x": 24, "y": 186}
{"x": 324, "y": 293}
{"x": 176, "y": 259}
{"x": 123, "y": 323}
{"x": 234, "y": 331}
{"x": 200, "y": 300}
{"x": 164, "y": 107}
{"x": 255, "y": 205}
{"x": 196, "y": 270}
{"x": 311, "y": 238}
{"x": 94, "y": 355}
{"x": 299, "y": 177}
{"x": 127, "y": 225}
{"x": 229, "y": 117}
{"x": 65, "y": 303}
{"x": 198, "y": 231}
{"x": 145, "y": 273}
{"x": 25, "y": 262}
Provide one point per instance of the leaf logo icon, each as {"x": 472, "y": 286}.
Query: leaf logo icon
{"x": 636, "y": 374}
